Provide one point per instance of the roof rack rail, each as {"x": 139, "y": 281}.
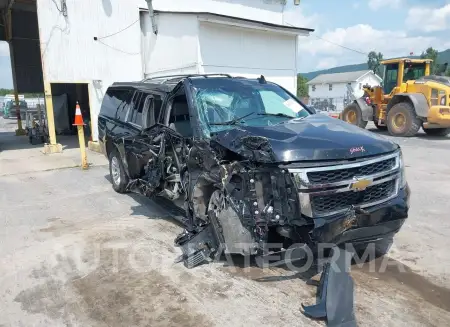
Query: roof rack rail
{"x": 168, "y": 78}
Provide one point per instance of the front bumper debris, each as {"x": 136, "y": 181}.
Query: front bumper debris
{"x": 364, "y": 226}
{"x": 197, "y": 248}
{"x": 335, "y": 293}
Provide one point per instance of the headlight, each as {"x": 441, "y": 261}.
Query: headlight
{"x": 402, "y": 183}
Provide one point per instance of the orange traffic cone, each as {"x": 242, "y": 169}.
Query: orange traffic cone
{"x": 78, "y": 117}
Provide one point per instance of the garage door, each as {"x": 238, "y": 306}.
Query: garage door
{"x": 250, "y": 53}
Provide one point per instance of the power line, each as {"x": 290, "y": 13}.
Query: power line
{"x": 342, "y": 46}
{"x": 339, "y": 45}
{"x": 111, "y": 47}
{"x": 104, "y": 37}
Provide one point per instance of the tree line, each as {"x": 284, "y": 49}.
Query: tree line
{"x": 4, "y": 92}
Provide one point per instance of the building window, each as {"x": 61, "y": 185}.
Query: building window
{"x": 313, "y": 88}
{"x": 330, "y": 87}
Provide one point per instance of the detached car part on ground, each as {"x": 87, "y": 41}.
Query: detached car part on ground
{"x": 250, "y": 166}
{"x": 409, "y": 99}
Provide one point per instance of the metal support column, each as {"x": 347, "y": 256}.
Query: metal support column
{"x": 53, "y": 147}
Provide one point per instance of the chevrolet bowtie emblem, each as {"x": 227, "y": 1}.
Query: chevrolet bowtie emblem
{"x": 360, "y": 184}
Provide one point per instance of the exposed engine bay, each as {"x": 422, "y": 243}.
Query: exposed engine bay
{"x": 244, "y": 200}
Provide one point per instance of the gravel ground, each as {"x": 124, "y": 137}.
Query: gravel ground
{"x": 75, "y": 253}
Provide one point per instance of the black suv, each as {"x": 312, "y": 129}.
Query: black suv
{"x": 250, "y": 165}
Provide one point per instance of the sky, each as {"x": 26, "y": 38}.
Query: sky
{"x": 392, "y": 27}
{"x": 5, "y": 67}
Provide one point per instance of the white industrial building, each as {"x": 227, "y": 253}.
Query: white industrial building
{"x": 334, "y": 88}
{"x": 86, "y": 45}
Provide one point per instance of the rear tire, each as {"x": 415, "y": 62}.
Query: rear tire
{"x": 352, "y": 114}
{"x": 437, "y": 131}
{"x": 119, "y": 179}
{"x": 402, "y": 120}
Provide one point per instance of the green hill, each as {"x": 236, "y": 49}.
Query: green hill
{"x": 444, "y": 56}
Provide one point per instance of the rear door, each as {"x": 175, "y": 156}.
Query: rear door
{"x": 139, "y": 147}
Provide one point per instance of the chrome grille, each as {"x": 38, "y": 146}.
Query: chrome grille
{"x": 328, "y": 190}
{"x": 333, "y": 176}
{"x": 322, "y": 204}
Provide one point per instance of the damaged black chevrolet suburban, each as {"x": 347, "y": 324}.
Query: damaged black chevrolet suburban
{"x": 250, "y": 165}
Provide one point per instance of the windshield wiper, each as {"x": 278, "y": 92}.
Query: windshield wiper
{"x": 232, "y": 122}
{"x": 277, "y": 115}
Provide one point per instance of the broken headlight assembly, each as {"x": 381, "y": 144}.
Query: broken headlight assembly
{"x": 402, "y": 182}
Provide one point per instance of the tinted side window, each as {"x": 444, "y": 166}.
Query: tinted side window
{"x": 157, "y": 105}
{"x": 139, "y": 101}
{"x": 154, "y": 104}
{"x": 150, "y": 118}
{"x": 111, "y": 102}
{"x": 120, "y": 103}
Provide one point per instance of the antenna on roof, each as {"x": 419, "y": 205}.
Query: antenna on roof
{"x": 262, "y": 80}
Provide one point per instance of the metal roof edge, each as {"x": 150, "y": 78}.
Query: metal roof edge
{"x": 270, "y": 25}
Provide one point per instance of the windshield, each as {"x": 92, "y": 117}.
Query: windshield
{"x": 223, "y": 102}
{"x": 413, "y": 71}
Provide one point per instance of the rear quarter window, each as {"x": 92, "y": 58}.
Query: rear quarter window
{"x": 116, "y": 103}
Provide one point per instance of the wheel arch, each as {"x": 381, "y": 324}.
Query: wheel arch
{"x": 417, "y": 100}
{"x": 109, "y": 146}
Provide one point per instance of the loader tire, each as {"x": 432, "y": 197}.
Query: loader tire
{"x": 437, "y": 131}
{"x": 352, "y": 114}
{"x": 402, "y": 120}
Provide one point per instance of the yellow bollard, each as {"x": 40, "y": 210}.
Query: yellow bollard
{"x": 84, "y": 163}
{"x": 80, "y": 126}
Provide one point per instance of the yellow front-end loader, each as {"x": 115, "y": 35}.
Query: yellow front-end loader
{"x": 409, "y": 98}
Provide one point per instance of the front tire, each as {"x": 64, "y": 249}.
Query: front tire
{"x": 402, "y": 120}
{"x": 352, "y": 114}
{"x": 119, "y": 179}
{"x": 437, "y": 131}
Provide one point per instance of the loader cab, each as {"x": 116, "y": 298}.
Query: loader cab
{"x": 398, "y": 71}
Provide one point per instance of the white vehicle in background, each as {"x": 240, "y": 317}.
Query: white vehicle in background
{"x": 10, "y": 97}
